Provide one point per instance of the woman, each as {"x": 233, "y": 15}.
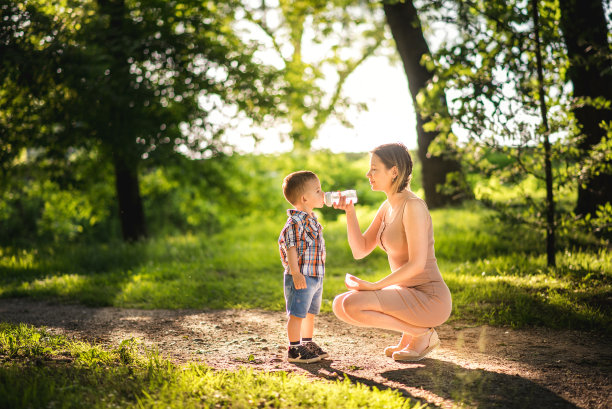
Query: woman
{"x": 413, "y": 298}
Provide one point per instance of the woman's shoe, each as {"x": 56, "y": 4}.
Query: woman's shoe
{"x": 411, "y": 355}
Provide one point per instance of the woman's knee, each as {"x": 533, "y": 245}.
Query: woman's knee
{"x": 337, "y": 305}
{"x": 351, "y": 305}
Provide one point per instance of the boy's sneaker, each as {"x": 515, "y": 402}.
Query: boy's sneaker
{"x": 301, "y": 354}
{"x": 315, "y": 349}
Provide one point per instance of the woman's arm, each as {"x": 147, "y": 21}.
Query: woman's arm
{"x": 361, "y": 244}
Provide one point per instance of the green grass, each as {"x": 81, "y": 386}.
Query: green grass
{"x": 41, "y": 370}
{"x": 520, "y": 291}
{"x": 496, "y": 276}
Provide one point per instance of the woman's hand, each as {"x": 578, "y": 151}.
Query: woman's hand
{"x": 353, "y": 283}
{"x": 343, "y": 205}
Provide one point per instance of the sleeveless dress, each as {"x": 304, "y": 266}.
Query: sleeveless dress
{"x": 423, "y": 300}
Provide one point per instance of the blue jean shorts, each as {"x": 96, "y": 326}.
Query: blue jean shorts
{"x": 307, "y": 300}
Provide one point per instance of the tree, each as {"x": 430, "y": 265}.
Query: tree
{"x": 318, "y": 45}
{"x": 438, "y": 169}
{"x": 585, "y": 33}
{"x": 129, "y": 81}
{"x": 505, "y": 71}
{"x": 550, "y": 200}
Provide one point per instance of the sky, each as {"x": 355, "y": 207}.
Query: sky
{"x": 390, "y": 116}
{"x": 383, "y": 86}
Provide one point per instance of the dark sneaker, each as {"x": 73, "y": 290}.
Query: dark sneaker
{"x": 301, "y": 354}
{"x": 315, "y": 349}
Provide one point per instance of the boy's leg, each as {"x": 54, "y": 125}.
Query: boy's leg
{"x": 294, "y": 326}
{"x": 296, "y": 309}
{"x": 308, "y": 326}
{"x": 307, "y": 332}
{"x": 308, "y": 322}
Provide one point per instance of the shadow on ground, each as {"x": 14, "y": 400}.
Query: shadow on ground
{"x": 469, "y": 387}
{"x": 477, "y": 387}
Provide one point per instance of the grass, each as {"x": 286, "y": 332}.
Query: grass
{"x": 42, "y": 370}
{"x": 495, "y": 278}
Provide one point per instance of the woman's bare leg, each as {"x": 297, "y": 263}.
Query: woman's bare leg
{"x": 338, "y": 307}
{"x": 364, "y": 308}
{"x": 404, "y": 342}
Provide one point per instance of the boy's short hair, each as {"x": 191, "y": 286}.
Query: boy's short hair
{"x": 294, "y": 184}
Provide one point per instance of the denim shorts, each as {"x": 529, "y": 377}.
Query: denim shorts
{"x": 307, "y": 300}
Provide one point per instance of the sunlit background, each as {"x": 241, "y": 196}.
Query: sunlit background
{"x": 378, "y": 82}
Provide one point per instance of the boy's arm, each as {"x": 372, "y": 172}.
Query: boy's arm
{"x": 298, "y": 278}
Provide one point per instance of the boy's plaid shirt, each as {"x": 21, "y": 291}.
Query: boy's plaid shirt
{"x": 306, "y": 235}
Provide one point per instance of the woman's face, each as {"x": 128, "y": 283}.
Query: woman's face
{"x": 381, "y": 178}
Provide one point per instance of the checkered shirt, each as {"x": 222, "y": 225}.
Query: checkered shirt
{"x": 306, "y": 235}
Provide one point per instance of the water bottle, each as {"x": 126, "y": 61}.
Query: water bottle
{"x": 334, "y": 197}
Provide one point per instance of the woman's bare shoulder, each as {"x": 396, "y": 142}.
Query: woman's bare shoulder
{"x": 415, "y": 207}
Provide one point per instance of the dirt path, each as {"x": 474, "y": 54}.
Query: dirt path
{"x": 485, "y": 367}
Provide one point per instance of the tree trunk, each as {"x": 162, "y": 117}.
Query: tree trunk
{"x": 585, "y": 32}
{"x": 411, "y": 45}
{"x": 131, "y": 211}
{"x": 550, "y": 199}
{"x": 117, "y": 132}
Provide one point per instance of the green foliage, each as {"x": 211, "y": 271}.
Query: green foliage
{"x": 491, "y": 67}
{"x": 126, "y": 82}
{"x": 217, "y": 223}
{"x": 317, "y": 45}
{"x": 124, "y": 75}
{"x": 181, "y": 196}
{"x": 495, "y": 273}
{"x": 38, "y": 203}
{"x": 58, "y": 372}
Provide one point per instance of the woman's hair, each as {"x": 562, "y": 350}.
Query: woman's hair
{"x": 396, "y": 154}
{"x": 294, "y": 184}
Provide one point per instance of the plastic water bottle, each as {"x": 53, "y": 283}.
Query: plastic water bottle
{"x": 334, "y": 197}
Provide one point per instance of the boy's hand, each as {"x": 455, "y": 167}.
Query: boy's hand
{"x": 299, "y": 281}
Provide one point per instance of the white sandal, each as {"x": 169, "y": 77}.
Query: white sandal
{"x": 411, "y": 355}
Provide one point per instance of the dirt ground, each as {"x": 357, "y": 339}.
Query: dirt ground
{"x": 476, "y": 366}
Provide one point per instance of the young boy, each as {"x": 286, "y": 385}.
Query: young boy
{"x": 302, "y": 251}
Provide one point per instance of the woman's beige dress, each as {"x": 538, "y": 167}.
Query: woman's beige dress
{"x": 424, "y": 299}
